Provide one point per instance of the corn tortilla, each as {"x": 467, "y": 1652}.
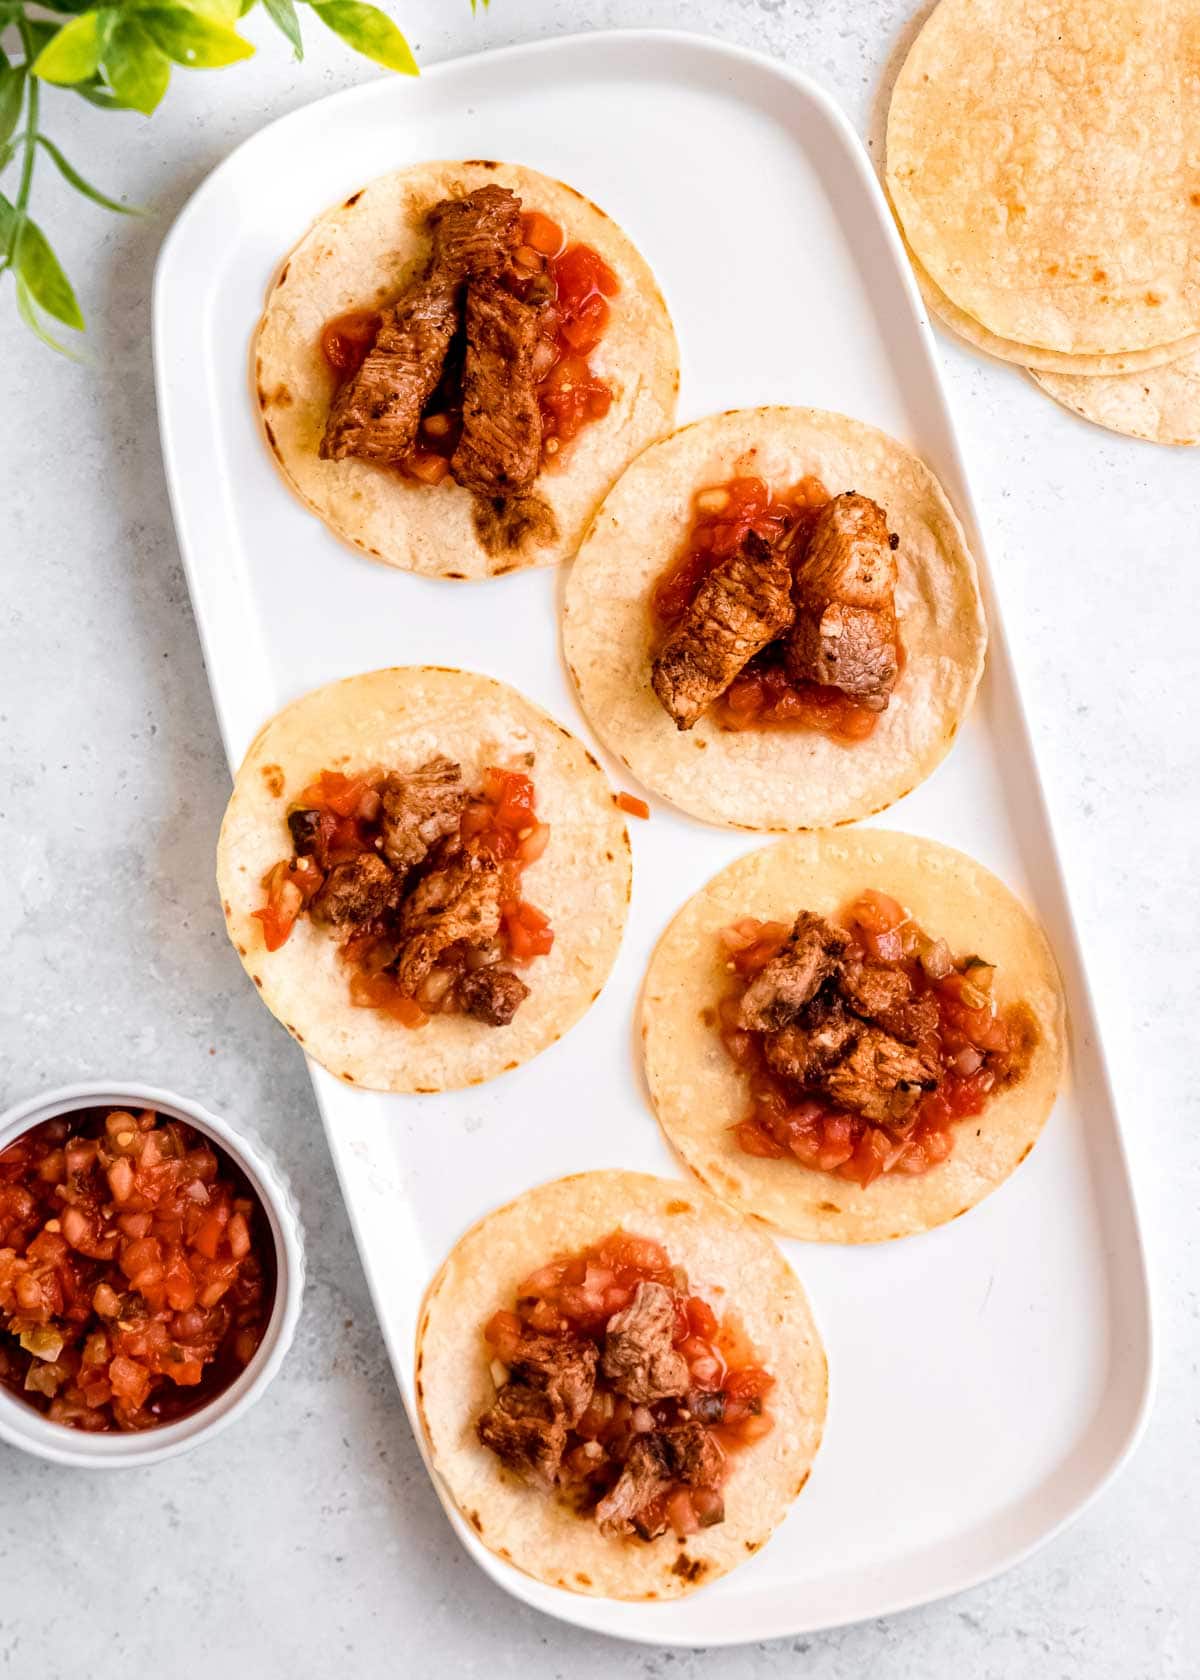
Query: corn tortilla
{"x": 698, "y": 1092}
{"x": 777, "y": 778}
{"x": 731, "y": 1264}
{"x": 398, "y": 719}
{"x": 1161, "y": 404}
{"x": 360, "y": 255}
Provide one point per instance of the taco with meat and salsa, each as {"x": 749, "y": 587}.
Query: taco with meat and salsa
{"x": 456, "y": 362}
{"x": 853, "y": 1036}
{"x": 621, "y": 1385}
{"x": 425, "y": 876}
{"x": 775, "y": 621}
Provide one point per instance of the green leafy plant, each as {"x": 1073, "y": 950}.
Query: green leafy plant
{"x": 119, "y": 57}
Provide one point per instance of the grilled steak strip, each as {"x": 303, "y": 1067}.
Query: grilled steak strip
{"x": 743, "y": 603}
{"x": 501, "y": 442}
{"x": 376, "y": 413}
{"x": 639, "y": 1359}
{"x": 845, "y": 630}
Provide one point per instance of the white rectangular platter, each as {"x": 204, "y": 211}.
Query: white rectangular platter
{"x": 987, "y": 1378}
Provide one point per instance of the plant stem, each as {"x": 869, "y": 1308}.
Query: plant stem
{"x": 31, "y": 122}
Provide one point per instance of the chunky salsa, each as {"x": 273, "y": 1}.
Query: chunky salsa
{"x": 420, "y": 878}
{"x": 621, "y": 1390}
{"x": 573, "y": 285}
{"x": 765, "y": 694}
{"x": 865, "y": 1042}
{"x": 137, "y": 1272}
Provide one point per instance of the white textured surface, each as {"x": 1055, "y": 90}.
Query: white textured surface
{"x": 308, "y": 1540}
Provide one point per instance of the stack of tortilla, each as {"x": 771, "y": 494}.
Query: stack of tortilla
{"x": 1043, "y": 160}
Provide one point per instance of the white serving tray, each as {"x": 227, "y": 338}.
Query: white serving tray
{"x": 986, "y": 1378}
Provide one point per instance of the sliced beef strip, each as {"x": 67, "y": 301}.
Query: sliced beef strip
{"x": 500, "y": 447}
{"x": 375, "y": 414}
{"x": 460, "y": 902}
{"x": 356, "y": 894}
{"x": 803, "y": 1049}
{"x": 686, "y": 1453}
{"x": 562, "y": 1367}
{"x": 492, "y": 995}
{"x": 743, "y": 603}
{"x": 527, "y": 1431}
{"x": 885, "y": 996}
{"x": 419, "y": 809}
{"x": 794, "y": 976}
{"x": 845, "y": 630}
{"x": 879, "y": 1078}
{"x": 639, "y": 1359}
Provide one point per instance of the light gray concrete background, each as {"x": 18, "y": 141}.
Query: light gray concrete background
{"x": 307, "y": 1541}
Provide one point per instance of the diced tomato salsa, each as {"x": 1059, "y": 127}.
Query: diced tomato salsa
{"x": 578, "y": 1294}
{"x": 137, "y": 1272}
{"x": 763, "y": 696}
{"x": 501, "y": 821}
{"x": 978, "y": 1048}
{"x": 577, "y": 285}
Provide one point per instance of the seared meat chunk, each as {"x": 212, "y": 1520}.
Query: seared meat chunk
{"x": 460, "y": 902}
{"x": 419, "y": 809}
{"x": 492, "y": 995}
{"x": 803, "y": 1049}
{"x": 501, "y": 442}
{"x": 304, "y": 827}
{"x": 376, "y": 413}
{"x": 639, "y": 1359}
{"x": 743, "y": 603}
{"x": 527, "y": 1431}
{"x": 476, "y": 234}
{"x": 685, "y": 1453}
{"x": 356, "y": 894}
{"x": 880, "y": 1078}
{"x": 562, "y": 1367}
{"x": 845, "y": 630}
{"x": 794, "y": 976}
{"x": 884, "y": 995}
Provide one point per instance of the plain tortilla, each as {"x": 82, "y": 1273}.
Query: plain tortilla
{"x": 1041, "y": 157}
{"x": 398, "y": 719}
{"x": 362, "y": 254}
{"x": 699, "y": 1093}
{"x": 774, "y": 778}
{"x": 1161, "y": 404}
{"x": 731, "y": 1264}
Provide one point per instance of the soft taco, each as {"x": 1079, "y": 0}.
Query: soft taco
{"x": 425, "y": 876}
{"x": 621, "y": 1385}
{"x": 853, "y": 1036}
{"x": 456, "y": 362}
{"x": 775, "y": 620}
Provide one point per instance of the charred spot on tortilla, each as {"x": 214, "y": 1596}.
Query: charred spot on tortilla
{"x": 272, "y": 776}
{"x": 512, "y": 524}
{"x": 349, "y": 203}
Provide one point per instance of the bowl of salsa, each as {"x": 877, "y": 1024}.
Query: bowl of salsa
{"x": 151, "y": 1272}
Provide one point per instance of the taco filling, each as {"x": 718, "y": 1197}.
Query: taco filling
{"x": 779, "y": 611}
{"x": 864, "y": 1040}
{"x": 620, "y": 1392}
{"x": 418, "y": 877}
{"x": 479, "y": 371}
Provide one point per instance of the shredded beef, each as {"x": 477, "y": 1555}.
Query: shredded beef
{"x": 639, "y": 1359}
{"x": 492, "y": 995}
{"x": 879, "y": 1078}
{"x": 685, "y": 1453}
{"x": 527, "y": 1431}
{"x": 743, "y": 603}
{"x": 562, "y": 1367}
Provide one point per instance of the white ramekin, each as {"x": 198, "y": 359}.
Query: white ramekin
{"x": 23, "y": 1426}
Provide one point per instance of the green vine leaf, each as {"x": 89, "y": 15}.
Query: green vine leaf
{"x": 282, "y": 14}
{"x": 85, "y": 187}
{"x": 370, "y": 32}
{"x": 43, "y": 275}
{"x": 12, "y": 95}
{"x": 28, "y": 314}
{"x": 137, "y": 71}
{"x": 74, "y": 53}
{"x": 193, "y": 41}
